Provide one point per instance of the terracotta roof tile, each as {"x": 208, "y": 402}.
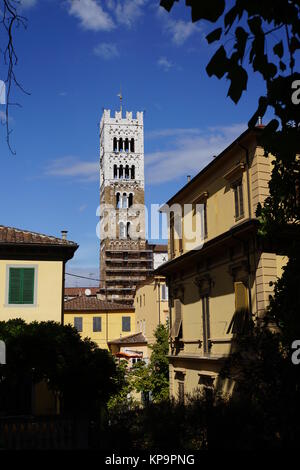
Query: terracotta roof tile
{"x": 76, "y": 291}
{"x": 83, "y": 303}
{"x": 131, "y": 339}
{"x": 11, "y": 235}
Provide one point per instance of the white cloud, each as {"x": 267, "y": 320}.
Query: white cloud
{"x": 126, "y": 11}
{"x": 165, "y": 64}
{"x": 172, "y": 132}
{"x": 82, "y": 207}
{"x": 2, "y": 117}
{"x": 179, "y": 30}
{"x": 190, "y": 152}
{"x": 91, "y": 15}
{"x": 28, "y": 3}
{"x": 74, "y": 168}
{"x": 106, "y": 50}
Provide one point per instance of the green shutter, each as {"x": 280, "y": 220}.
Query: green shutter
{"x": 21, "y": 286}
{"x": 28, "y": 286}
{"x": 14, "y": 296}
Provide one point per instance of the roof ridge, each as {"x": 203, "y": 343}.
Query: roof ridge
{"x": 38, "y": 234}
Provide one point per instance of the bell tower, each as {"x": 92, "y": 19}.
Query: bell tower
{"x": 125, "y": 259}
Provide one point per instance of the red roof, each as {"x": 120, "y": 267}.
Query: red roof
{"x": 11, "y": 235}
{"x": 76, "y": 291}
{"x": 83, "y": 303}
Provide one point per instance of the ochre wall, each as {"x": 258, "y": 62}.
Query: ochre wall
{"x": 49, "y": 292}
{"x": 147, "y": 306}
{"x": 111, "y": 325}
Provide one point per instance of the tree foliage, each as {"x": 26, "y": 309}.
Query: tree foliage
{"x": 77, "y": 370}
{"x": 142, "y": 378}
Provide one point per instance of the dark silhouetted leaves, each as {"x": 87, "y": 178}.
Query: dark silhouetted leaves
{"x": 282, "y": 66}
{"x": 214, "y": 35}
{"x": 230, "y": 17}
{"x": 239, "y": 79}
{"x": 218, "y": 64}
{"x": 294, "y": 44}
{"x": 210, "y": 11}
{"x": 241, "y": 41}
{"x": 255, "y": 25}
{"x": 167, "y": 4}
{"x": 278, "y": 49}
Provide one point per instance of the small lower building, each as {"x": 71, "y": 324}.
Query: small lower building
{"x": 132, "y": 348}
{"x": 99, "y": 320}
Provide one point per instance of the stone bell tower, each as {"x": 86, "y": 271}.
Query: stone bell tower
{"x": 125, "y": 259}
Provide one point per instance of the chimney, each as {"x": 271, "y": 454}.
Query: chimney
{"x": 188, "y": 178}
{"x": 259, "y": 123}
{"x": 64, "y": 234}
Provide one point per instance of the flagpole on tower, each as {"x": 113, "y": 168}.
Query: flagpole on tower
{"x": 121, "y": 97}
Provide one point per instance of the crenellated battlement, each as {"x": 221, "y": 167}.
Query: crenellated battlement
{"x": 118, "y": 118}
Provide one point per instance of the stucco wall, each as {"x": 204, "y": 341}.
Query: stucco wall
{"x": 48, "y": 292}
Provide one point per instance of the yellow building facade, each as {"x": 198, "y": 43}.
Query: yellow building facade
{"x": 151, "y": 308}
{"x": 32, "y": 272}
{"x": 32, "y": 268}
{"x": 228, "y": 270}
{"x": 99, "y": 320}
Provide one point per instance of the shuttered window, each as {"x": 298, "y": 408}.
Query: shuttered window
{"x": 78, "y": 324}
{"x": 126, "y": 323}
{"x": 177, "y": 320}
{"x": 21, "y": 286}
{"x": 172, "y": 235}
{"x": 164, "y": 292}
{"x": 206, "y": 324}
{"x": 97, "y": 324}
{"x": 238, "y": 199}
{"x": 181, "y": 392}
{"x": 241, "y": 296}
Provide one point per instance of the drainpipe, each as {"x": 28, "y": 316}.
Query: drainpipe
{"x": 106, "y": 328}
{"x": 248, "y": 179}
{"x": 249, "y": 209}
{"x": 159, "y": 302}
{"x": 63, "y": 293}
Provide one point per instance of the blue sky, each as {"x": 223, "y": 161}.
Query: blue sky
{"x": 72, "y": 59}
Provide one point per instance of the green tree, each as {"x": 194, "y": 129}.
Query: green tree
{"x": 80, "y": 373}
{"x": 152, "y": 378}
{"x": 159, "y": 364}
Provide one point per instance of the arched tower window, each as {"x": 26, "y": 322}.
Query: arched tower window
{"x": 115, "y": 145}
{"x": 118, "y": 200}
{"x": 128, "y": 230}
{"x": 124, "y": 201}
{"x": 133, "y": 172}
{"x": 132, "y": 145}
{"x": 126, "y": 145}
{"x": 127, "y": 172}
{"x": 121, "y": 172}
{"x": 130, "y": 200}
{"x": 121, "y": 144}
{"x": 115, "y": 171}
